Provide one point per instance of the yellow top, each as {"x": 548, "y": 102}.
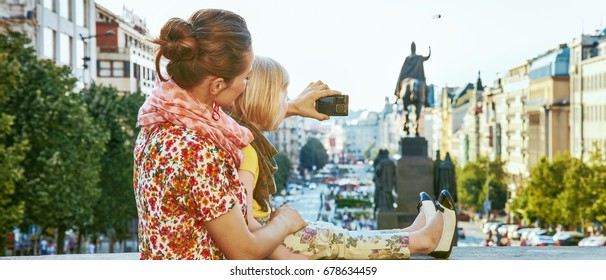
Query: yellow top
{"x": 251, "y": 163}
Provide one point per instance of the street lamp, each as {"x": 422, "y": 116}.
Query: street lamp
{"x": 86, "y": 59}
{"x": 108, "y": 33}
{"x": 487, "y": 202}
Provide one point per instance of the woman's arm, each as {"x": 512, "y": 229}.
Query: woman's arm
{"x": 280, "y": 253}
{"x": 236, "y": 241}
{"x": 304, "y": 104}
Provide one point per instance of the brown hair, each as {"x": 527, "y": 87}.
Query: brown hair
{"x": 210, "y": 42}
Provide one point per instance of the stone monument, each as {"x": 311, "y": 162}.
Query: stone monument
{"x": 415, "y": 170}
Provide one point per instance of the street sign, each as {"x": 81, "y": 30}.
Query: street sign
{"x": 487, "y": 205}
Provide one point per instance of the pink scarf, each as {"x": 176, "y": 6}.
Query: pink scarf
{"x": 170, "y": 103}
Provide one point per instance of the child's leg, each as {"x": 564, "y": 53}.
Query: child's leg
{"x": 322, "y": 240}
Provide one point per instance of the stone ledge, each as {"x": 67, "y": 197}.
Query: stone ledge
{"x": 459, "y": 253}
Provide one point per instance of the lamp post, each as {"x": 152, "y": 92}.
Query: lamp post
{"x": 108, "y": 33}
{"x": 487, "y": 202}
{"x": 87, "y": 59}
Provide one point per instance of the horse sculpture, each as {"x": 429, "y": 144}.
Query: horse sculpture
{"x": 411, "y": 88}
{"x": 414, "y": 95}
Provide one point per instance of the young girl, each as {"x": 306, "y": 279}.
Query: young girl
{"x": 262, "y": 108}
{"x": 190, "y": 201}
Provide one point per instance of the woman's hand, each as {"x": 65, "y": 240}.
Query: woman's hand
{"x": 289, "y": 217}
{"x": 304, "y": 104}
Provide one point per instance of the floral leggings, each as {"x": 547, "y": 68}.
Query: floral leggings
{"x": 322, "y": 240}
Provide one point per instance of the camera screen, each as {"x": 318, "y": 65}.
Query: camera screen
{"x": 328, "y": 99}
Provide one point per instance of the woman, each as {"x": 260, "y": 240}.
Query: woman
{"x": 262, "y": 108}
{"x": 190, "y": 201}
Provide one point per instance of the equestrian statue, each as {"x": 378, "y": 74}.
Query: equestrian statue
{"x": 412, "y": 89}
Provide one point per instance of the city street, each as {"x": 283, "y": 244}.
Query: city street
{"x": 473, "y": 234}
{"x": 308, "y": 201}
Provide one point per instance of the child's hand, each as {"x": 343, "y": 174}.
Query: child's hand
{"x": 290, "y": 217}
{"x": 304, "y": 104}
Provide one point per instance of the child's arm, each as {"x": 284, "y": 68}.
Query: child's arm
{"x": 280, "y": 253}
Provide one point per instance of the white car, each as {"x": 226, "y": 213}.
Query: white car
{"x": 598, "y": 240}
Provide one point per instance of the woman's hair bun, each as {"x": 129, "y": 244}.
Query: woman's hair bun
{"x": 176, "y": 41}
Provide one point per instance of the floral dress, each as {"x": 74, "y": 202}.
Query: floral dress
{"x": 181, "y": 180}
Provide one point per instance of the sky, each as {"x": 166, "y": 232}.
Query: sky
{"x": 358, "y": 47}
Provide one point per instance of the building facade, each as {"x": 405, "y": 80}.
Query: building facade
{"x": 514, "y": 126}
{"x": 288, "y": 138}
{"x": 491, "y": 121}
{"x": 57, "y": 29}
{"x": 125, "y": 59}
{"x": 547, "y": 107}
{"x": 588, "y": 95}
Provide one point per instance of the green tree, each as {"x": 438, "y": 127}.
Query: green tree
{"x": 12, "y": 150}
{"x": 471, "y": 184}
{"x": 565, "y": 191}
{"x": 571, "y": 205}
{"x": 595, "y": 191}
{"x": 313, "y": 154}
{"x": 284, "y": 171}
{"x": 115, "y": 112}
{"x": 552, "y": 190}
{"x": 60, "y": 187}
{"x": 371, "y": 151}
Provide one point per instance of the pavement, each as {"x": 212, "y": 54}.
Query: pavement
{"x": 458, "y": 253}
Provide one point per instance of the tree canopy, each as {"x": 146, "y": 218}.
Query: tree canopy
{"x": 284, "y": 171}
{"x": 564, "y": 191}
{"x": 471, "y": 184}
{"x": 12, "y": 147}
{"x": 60, "y": 185}
{"x": 313, "y": 154}
{"x": 116, "y": 113}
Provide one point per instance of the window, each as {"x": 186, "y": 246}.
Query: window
{"x": 49, "y": 43}
{"x": 108, "y": 68}
{"x": 49, "y": 4}
{"x": 136, "y": 71}
{"x": 65, "y": 9}
{"x": 81, "y": 13}
{"x": 105, "y": 68}
{"x": 65, "y": 49}
{"x": 118, "y": 69}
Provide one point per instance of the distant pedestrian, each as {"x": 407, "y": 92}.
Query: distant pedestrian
{"x": 91, "y": 248}
{"x": 51, "y": 248}
{"x": 71, "y": 245}
{"x": 43, "y": 247}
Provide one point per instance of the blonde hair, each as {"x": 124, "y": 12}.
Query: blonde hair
{"x": 260, "y": 103}
{"x": 211, "y": 42}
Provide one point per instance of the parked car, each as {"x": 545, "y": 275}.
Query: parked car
{"x": 491, "y": 226}
{"x": 293, "y": 188}
{"x": 567, "y": 238}
{"x": 462, "y": 217}
{"x": 525, "y": 234}
{"x": 517, "y": 233}
{"x": 598, "y": 240}
{"x": 541, "y": 238}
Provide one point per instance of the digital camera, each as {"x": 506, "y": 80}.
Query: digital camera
{"x": 336, "y": 105}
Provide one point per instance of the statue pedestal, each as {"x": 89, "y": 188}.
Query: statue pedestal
{"x": 415, "y": 175}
